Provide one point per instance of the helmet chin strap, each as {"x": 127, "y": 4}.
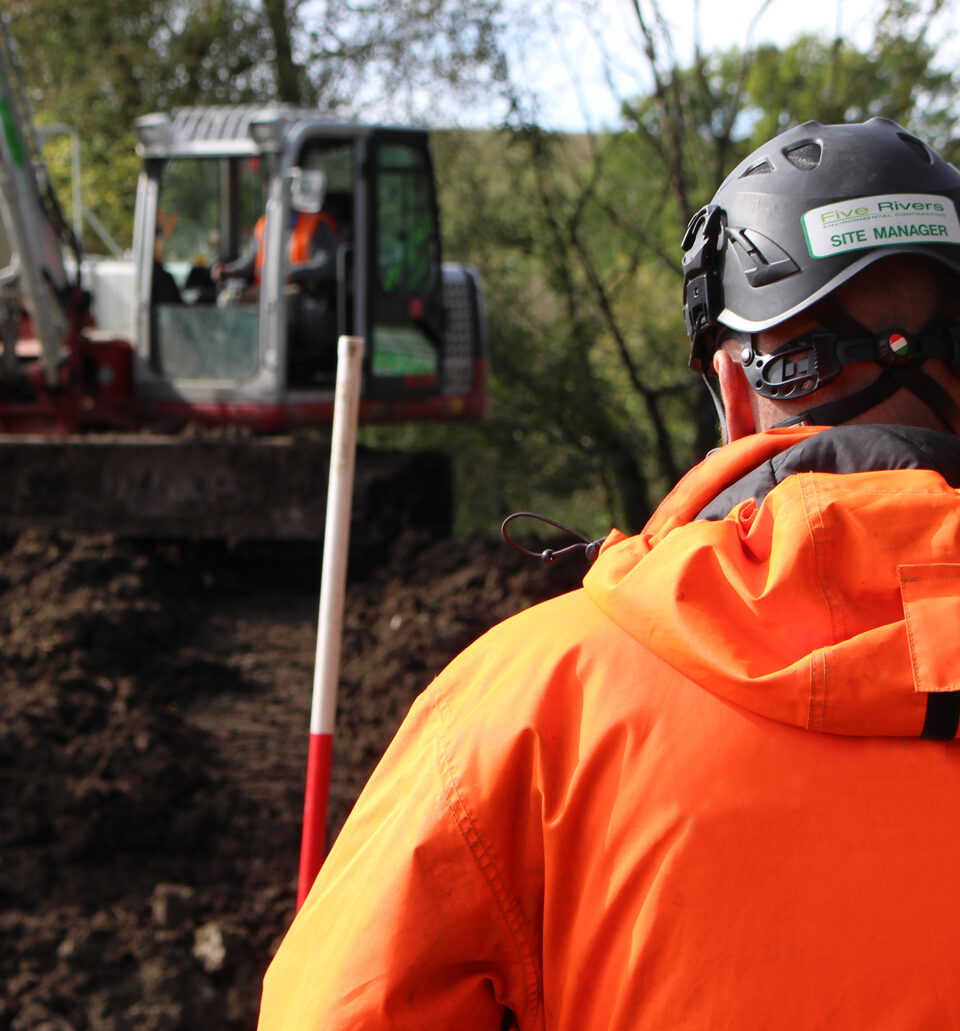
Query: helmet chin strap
{"x": 850, "y": 341}
{"x": 922, "y": 386}
{"x": 834, "y": 413}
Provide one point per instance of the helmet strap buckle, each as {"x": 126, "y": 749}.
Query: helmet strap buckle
{"x": 703, "y": 283}
{"x": 796, "y": 369}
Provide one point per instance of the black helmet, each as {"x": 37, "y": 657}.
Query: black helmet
{"x": 806, "y": 212}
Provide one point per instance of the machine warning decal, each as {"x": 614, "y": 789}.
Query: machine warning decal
{"x": 892, "y": 218}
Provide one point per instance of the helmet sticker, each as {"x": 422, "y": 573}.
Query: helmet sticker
{"x": 880, "y": 221}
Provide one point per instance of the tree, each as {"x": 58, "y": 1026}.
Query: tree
{"x": 589, "y": 380}
{"x": 98, "y": 66}
{"x": 577, "y": 238}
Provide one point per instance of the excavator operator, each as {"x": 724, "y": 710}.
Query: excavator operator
{"x": 719, "y": 786}
{"x": 313, "y": 241}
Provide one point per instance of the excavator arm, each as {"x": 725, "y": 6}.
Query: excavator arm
{"x": 36, "y": 278}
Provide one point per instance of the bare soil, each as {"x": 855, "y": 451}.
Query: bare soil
{"x": 154, "y": 710}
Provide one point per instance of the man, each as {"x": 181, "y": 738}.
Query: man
{"x": 716, "y": 788}
{"x": 313, "y": 240}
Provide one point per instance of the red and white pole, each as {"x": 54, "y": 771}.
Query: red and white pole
{"x": 336, "y": 540}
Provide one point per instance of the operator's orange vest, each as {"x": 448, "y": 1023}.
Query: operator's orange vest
{"x": 300, "y": 237}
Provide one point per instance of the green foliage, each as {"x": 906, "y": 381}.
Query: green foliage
{"x": 99, "y": 65}
{"x": 589, "y": 385}
{"x": 594, "y": 413}
{"x": 833, "y": 82}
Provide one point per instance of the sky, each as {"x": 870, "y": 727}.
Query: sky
{"x": 579, "y": 66}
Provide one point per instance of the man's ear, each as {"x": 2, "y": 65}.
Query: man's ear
{"x": 735, "y": 392}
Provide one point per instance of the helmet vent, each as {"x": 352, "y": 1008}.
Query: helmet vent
{"x": 759, "y": 168}
{"x": 917, "y": 147}
{"x": 806, "y": 157}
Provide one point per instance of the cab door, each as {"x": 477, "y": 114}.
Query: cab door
{"x": 404, "y": 315}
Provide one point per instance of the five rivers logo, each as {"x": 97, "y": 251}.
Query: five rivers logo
{"x": 892, "y": 218}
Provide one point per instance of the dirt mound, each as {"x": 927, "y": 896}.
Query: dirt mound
{"x": 154, "y": 706}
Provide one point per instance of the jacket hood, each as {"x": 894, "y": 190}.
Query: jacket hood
{"x": 809, "y": 575}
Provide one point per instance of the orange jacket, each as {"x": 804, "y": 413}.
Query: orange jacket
{"x": 690, "y": 795}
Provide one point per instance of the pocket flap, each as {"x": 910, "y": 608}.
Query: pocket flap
{"x": 931, "y": 609}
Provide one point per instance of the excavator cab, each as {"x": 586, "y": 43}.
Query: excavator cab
{"x": 262, "y": 235}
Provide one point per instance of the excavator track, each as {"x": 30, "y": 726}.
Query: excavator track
{"x": 212, "y": 488}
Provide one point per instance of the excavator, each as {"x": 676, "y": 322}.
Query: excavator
{"x": 181, "y": 389}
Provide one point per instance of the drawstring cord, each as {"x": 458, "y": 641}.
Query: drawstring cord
{"x": 590, "y": 548}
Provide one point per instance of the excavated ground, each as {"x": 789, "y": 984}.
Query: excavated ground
{"x": 154, "y": 705}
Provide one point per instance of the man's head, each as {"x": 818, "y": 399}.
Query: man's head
{"x": 823, "y": 274}
{"x": 308, "y": 190}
